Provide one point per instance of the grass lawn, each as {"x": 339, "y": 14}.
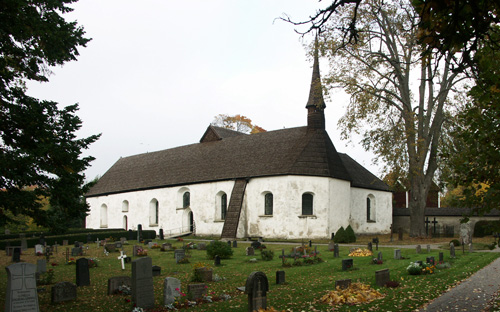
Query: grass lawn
{"x": 305, "y": 285}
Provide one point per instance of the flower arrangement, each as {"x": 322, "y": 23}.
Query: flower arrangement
{"x": 93, "y": 262}
{"x": 414, "y": 269}
{"x": 183, "y": 260}
{"x": 429, "y": 269}
{"x": 180, "y": 239}
{"x": 155, "y": 246}
{"x": 54, "y": 264}
{"x": 202, "y": 272}
{"x": 39, "y": 253}
{"x": 377, "y": 261}
{"x": 71, "y": 261}
{"x": 201, "y": 265}
{"x": 142, "y": 252}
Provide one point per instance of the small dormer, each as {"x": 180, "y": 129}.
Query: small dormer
{"x": 214, "y": 133}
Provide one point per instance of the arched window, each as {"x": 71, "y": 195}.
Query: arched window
{"x": 268, "y": 204}
{"x": 223, "y": 206}
{"x": 307, "y": 204}
{"x": 370, "y": 208}
{"x": 186, "y": 200}
{"x": 154, "y": 207}
{"x": 104, "y": 216}
{"x": 125, "y": 206}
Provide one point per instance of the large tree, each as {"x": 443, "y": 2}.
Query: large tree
{"x": 40, "y": 155}
{"x": 400, "y": 98}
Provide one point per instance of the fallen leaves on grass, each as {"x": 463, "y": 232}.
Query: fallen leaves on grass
{"x": 358, "y": 252}
{"x": 356, "y": 293}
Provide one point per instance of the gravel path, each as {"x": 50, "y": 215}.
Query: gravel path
{"x": 472, "y": 294}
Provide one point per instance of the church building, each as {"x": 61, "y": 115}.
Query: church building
{"x": 289, "y": 184}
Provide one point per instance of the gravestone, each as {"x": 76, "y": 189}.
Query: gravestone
{"x": 130, "y": 235}
{"x": 16, "y": 254}
{"x": 82, "y": 272}
{"x": 162, "y": 236}
{"x": 38, "y": 249}
{"x": 196, "y": 291}
{"x": 471, "y": 249}
{"x": 171, "y": 290}
{"x": 156, "y": 270}
{"x": 63, "y": 291}
{"x": 400, "y": 234}
{"x": 330, "y": 246}
{"x": 375, "y": 241}
{"x": 256, "y": 287}
{"x": 216, "y": 260}
{"x": 428, "y": 248}
{"x": 382, "y": 277}
{"x": 166, "y": 246}
{"x": 151, "y": 244}
{"x": 235, "y": 244}
{"x": 135, "y": 251}
{"x": 75, "y": 251}
{"x": 336, "y": 251}
{"x": 430, "y": 260}
{"x": 419, "y": 249}
{"x": 452, "y": 250}
{"x": 441, "y": 257}
{"x": 118, "y": 245}
{"x": 24, "y": 242}
{"x": 280, "y": 277}
{"x": 229, "y": 243}
{"x": 21, "y": 293}
{"x": 77, "y": 244}
{"x": 202, "y": 246}
{"x": 379, "y": 256}
{"x": 465, "y": 233}
{"x": 370, "y": 246}
{"x": 179, "y": 254}
{"x": 89, "y": 238}
{"x": 41, "y": 266}
{"x": 142, "y": 283}
{"x": 65, "y": 242}
{"x": 310, "y": 243}
{"x": 249, "y": 251}
{"x": 347, "y": 264}
{"x": 67, "y": 254}
{"x": 139, "y": 233}
{"x": 343, "y": 284}
{"x": 397, "y": 254}
{"x": 117, "y": 281}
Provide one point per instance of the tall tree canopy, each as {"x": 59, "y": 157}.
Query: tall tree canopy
{"x": 400, "y": 98}
{"x": 40, "y": 155}
{"x": 237, "y": 122}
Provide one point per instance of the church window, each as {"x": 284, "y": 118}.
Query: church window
{"x": 268, "y": 204}
{"x": 370, "y": 208}
{"x": 125, "y": 206}
{"x": 307, "y": 204}
{"x": 186, "y": 200}
{"x": 104, "y": 216}
{"x": 223, "y": 206}
{"x": 154, "y": 207}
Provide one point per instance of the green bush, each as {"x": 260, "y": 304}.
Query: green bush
{"x": 267, "y": 255}
{"x": 340, "y": 236}
{"x": 218, "y": 248}
{"x": 484, "y": 228}
{"x": 351, "y": 237}
{"x": 455, "y": 242}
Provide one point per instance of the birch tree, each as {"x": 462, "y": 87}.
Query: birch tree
{"x": 400, "y": 99}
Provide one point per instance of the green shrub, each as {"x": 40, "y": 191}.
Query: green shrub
{"x": 267, "y": 255}
{"x": 340, "y": 236}
{"x": 484, "y": 228}
{"x": 218, "y": 248}
{"x": 455, "y": 242}
{"x": 350, "y": 236}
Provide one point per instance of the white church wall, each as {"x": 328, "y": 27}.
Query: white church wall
{"x": 381, "y": 211}
{"x": 340, "y": 205}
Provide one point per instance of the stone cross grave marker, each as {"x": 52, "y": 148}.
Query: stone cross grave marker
{"x": 115, "y": 282}
{"x": 280, "y": 277}
{"x": 256, "y": 287}
{"x": 397, "y": 254}
{"x": 382, "y": 277}
{"x": 142, "y": 283}
{"x": 249, "y": 251}
{"x": 342, "y": 284}
{"x": 171, "y": 290}
{"x": 21, "y": 293}
{"x": 82, "y": 272}
{"x": 196, "y": 291}
{"x": 63, "y": 291}
{"x": 122, "y": 259}
{"x": 452, "y": 250}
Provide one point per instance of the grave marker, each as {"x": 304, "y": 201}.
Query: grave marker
{"x": 452, "y": 250}
{"x": 135, "y": 250}
{"x": 370, "y": 246}
{"x": 249, "y": 251}
{"x": 419, "y": 249}
{"x": 342, "y": 284}
{"x": 336, "y": 251}
{"x": 382, "y": 277}
{"x": 122, "y": 259}
{"x": 16, "y": 254}
{"x": 235, "y": 244}
{"x": 347, "y": 264}
{"x": 441, "y": 257}
{"x": 24, "y": 242}
{"x": 171, "y": 290}
{"x": 179, "y": 254}
{"x": 331, "y": 246}
{"x": 139, "y": 233}
{"x": 38, "y": 249}
{"x": 217, "y": 260}
{"x": 280, "y": 277}
{"x": 156, "y": 270}
{"x": 162, "y": 237}
{"x": 397, "y": 254}
{"x": 63, "y": 291}
{"x": 428, "y": 248}
{"x": 21, "y": 294}
{"x": 117, "y": 281}
{"x": 142, "y": 283}
{"x": 379, "y": 256}
{"x": 82, "y": 272}
{"x": 41, "y": 266}
{"x": 256, "y": 287}
{"x": 196, "y": 291}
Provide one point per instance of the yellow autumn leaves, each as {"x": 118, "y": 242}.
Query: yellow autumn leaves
{"x": 356, "y": 293}
{"x": 358, "y": 252}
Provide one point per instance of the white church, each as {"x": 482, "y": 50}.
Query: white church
{"x": 288, "y": 184}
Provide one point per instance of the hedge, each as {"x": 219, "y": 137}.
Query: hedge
{"x": 483, "y": 228}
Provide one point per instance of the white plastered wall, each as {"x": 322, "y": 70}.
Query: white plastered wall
{"x": 381, "y": 206}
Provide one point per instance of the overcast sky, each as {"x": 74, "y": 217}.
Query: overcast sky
{"x": 157, "y": 72}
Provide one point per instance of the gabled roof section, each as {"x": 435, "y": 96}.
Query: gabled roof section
{"x": 294, "y": 151}
{"x": 361, "y": 177}
{"x": 214, "y": 133}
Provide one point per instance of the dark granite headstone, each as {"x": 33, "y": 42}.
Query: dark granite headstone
{"x": 375, "y": 241}
{"x": 336, "y": 251}
{"x": 162, "y": 236}
{"x": 196, "y": 291}
{"x": 382, "y": 277}
{"x": 77, "y": 244}
{"x": 63, "y": 291}
{"x": 82, "y": 272}
{"x": 139, "y": 233}
{"x": 342, "y": 284}
{"x": 235, "y": 244}
{"x": 441, "y": 257}
{"x": 16, "y": 254}
{"x": 171, "y": 290}
{"x": 130, "y": 235}
{"x": 42, "y": 239}
{"x": 370, "y": 246}
{"x": 256, "y": 287}
{"x": 216, "y": 260}
{"x": 280, "y": 277}
{"x": 89, "y": 238}
{"x": 229, "y": 243}
{"x": 21, "y": 293}
{"x": 156, "y": 270}
{"x": 147, "y": 241}
{"x": 117, "y": 281}
{"x": 142, "y": 283}
{"x": 347, "y": 264}
{"x": 41, "y": 266}
{"x": 430, "y": 260}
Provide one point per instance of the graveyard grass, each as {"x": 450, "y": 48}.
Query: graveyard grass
{"x": 304, "y": 286}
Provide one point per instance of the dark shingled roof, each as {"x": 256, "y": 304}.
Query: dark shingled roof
{"x": 294, "y": 151}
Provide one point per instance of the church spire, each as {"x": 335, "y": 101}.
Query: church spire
{"x": 316, "y": 104}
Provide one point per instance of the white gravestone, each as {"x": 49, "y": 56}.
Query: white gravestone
{"x": 21, "y": 288}
{"x": 122, "y": 258}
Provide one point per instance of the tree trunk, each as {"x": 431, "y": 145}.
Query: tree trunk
{"x": 418, "y": 202}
